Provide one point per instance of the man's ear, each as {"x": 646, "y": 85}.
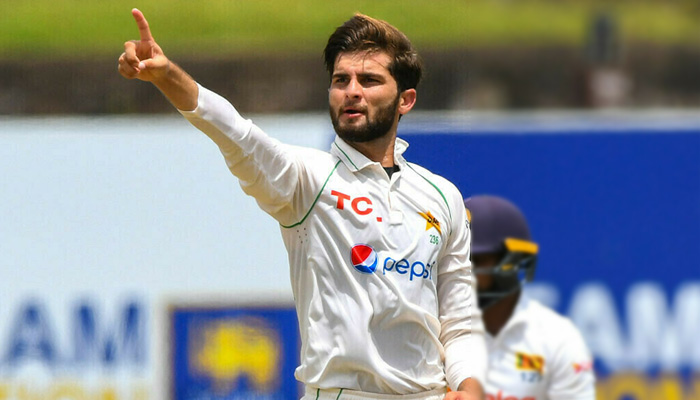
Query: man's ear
{"x": 407, "y": 100}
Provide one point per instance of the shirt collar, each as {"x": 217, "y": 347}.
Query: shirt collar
{"x": 355, "y": 161}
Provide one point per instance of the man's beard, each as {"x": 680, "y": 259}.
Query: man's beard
{"x": 375, "y": 127}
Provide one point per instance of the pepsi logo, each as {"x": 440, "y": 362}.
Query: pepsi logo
{"x": 364, "y": 258}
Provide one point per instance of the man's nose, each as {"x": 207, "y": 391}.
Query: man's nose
{"x": 354, "y": 89}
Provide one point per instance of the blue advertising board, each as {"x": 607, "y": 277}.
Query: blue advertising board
{"x": 615, "y": 209}
{"x": 234, "y": 353}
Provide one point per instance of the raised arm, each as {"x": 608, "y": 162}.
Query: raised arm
{"x": 143, "y": 59}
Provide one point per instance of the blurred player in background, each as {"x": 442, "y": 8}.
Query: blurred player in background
{"x": 534, "y": 353}
{"x": 378, "y": 247}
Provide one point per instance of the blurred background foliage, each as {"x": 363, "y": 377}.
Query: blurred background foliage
{"x": 78, "y": 29}
{"x": 60, "y": 56}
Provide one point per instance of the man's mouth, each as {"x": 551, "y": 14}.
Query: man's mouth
{"x": 352, "y": 112}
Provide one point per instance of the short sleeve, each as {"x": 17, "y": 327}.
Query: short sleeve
{"x": 572, "y": 368}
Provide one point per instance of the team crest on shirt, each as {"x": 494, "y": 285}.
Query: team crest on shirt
{"x": 431, "y": 221}
{"x": 469, "y": 218}
{"x": 529, "y": 362}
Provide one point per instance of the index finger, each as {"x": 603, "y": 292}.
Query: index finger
{"x": 141, "y": 22}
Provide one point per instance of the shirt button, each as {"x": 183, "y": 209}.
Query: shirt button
{"x": 395, "y": 217}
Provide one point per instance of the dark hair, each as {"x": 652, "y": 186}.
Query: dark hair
{"x": 364, "y": 33}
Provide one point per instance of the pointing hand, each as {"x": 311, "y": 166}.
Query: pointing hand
{"x": 143, "y": 59}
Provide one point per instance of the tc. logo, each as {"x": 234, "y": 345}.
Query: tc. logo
{"x": 364, "y": 258}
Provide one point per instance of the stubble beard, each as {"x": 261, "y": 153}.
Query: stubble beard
{"x": 374, "y": 128}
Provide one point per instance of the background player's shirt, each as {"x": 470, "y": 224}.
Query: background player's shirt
{"x": 379, "y": 265}
{"x": 538, "y": 355}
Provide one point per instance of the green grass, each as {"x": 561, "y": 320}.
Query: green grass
{"x": 86, "y": 29}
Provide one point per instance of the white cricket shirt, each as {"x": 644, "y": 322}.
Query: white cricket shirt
{"x": 379, "y": 266}
{"x": 538, "y": 355}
